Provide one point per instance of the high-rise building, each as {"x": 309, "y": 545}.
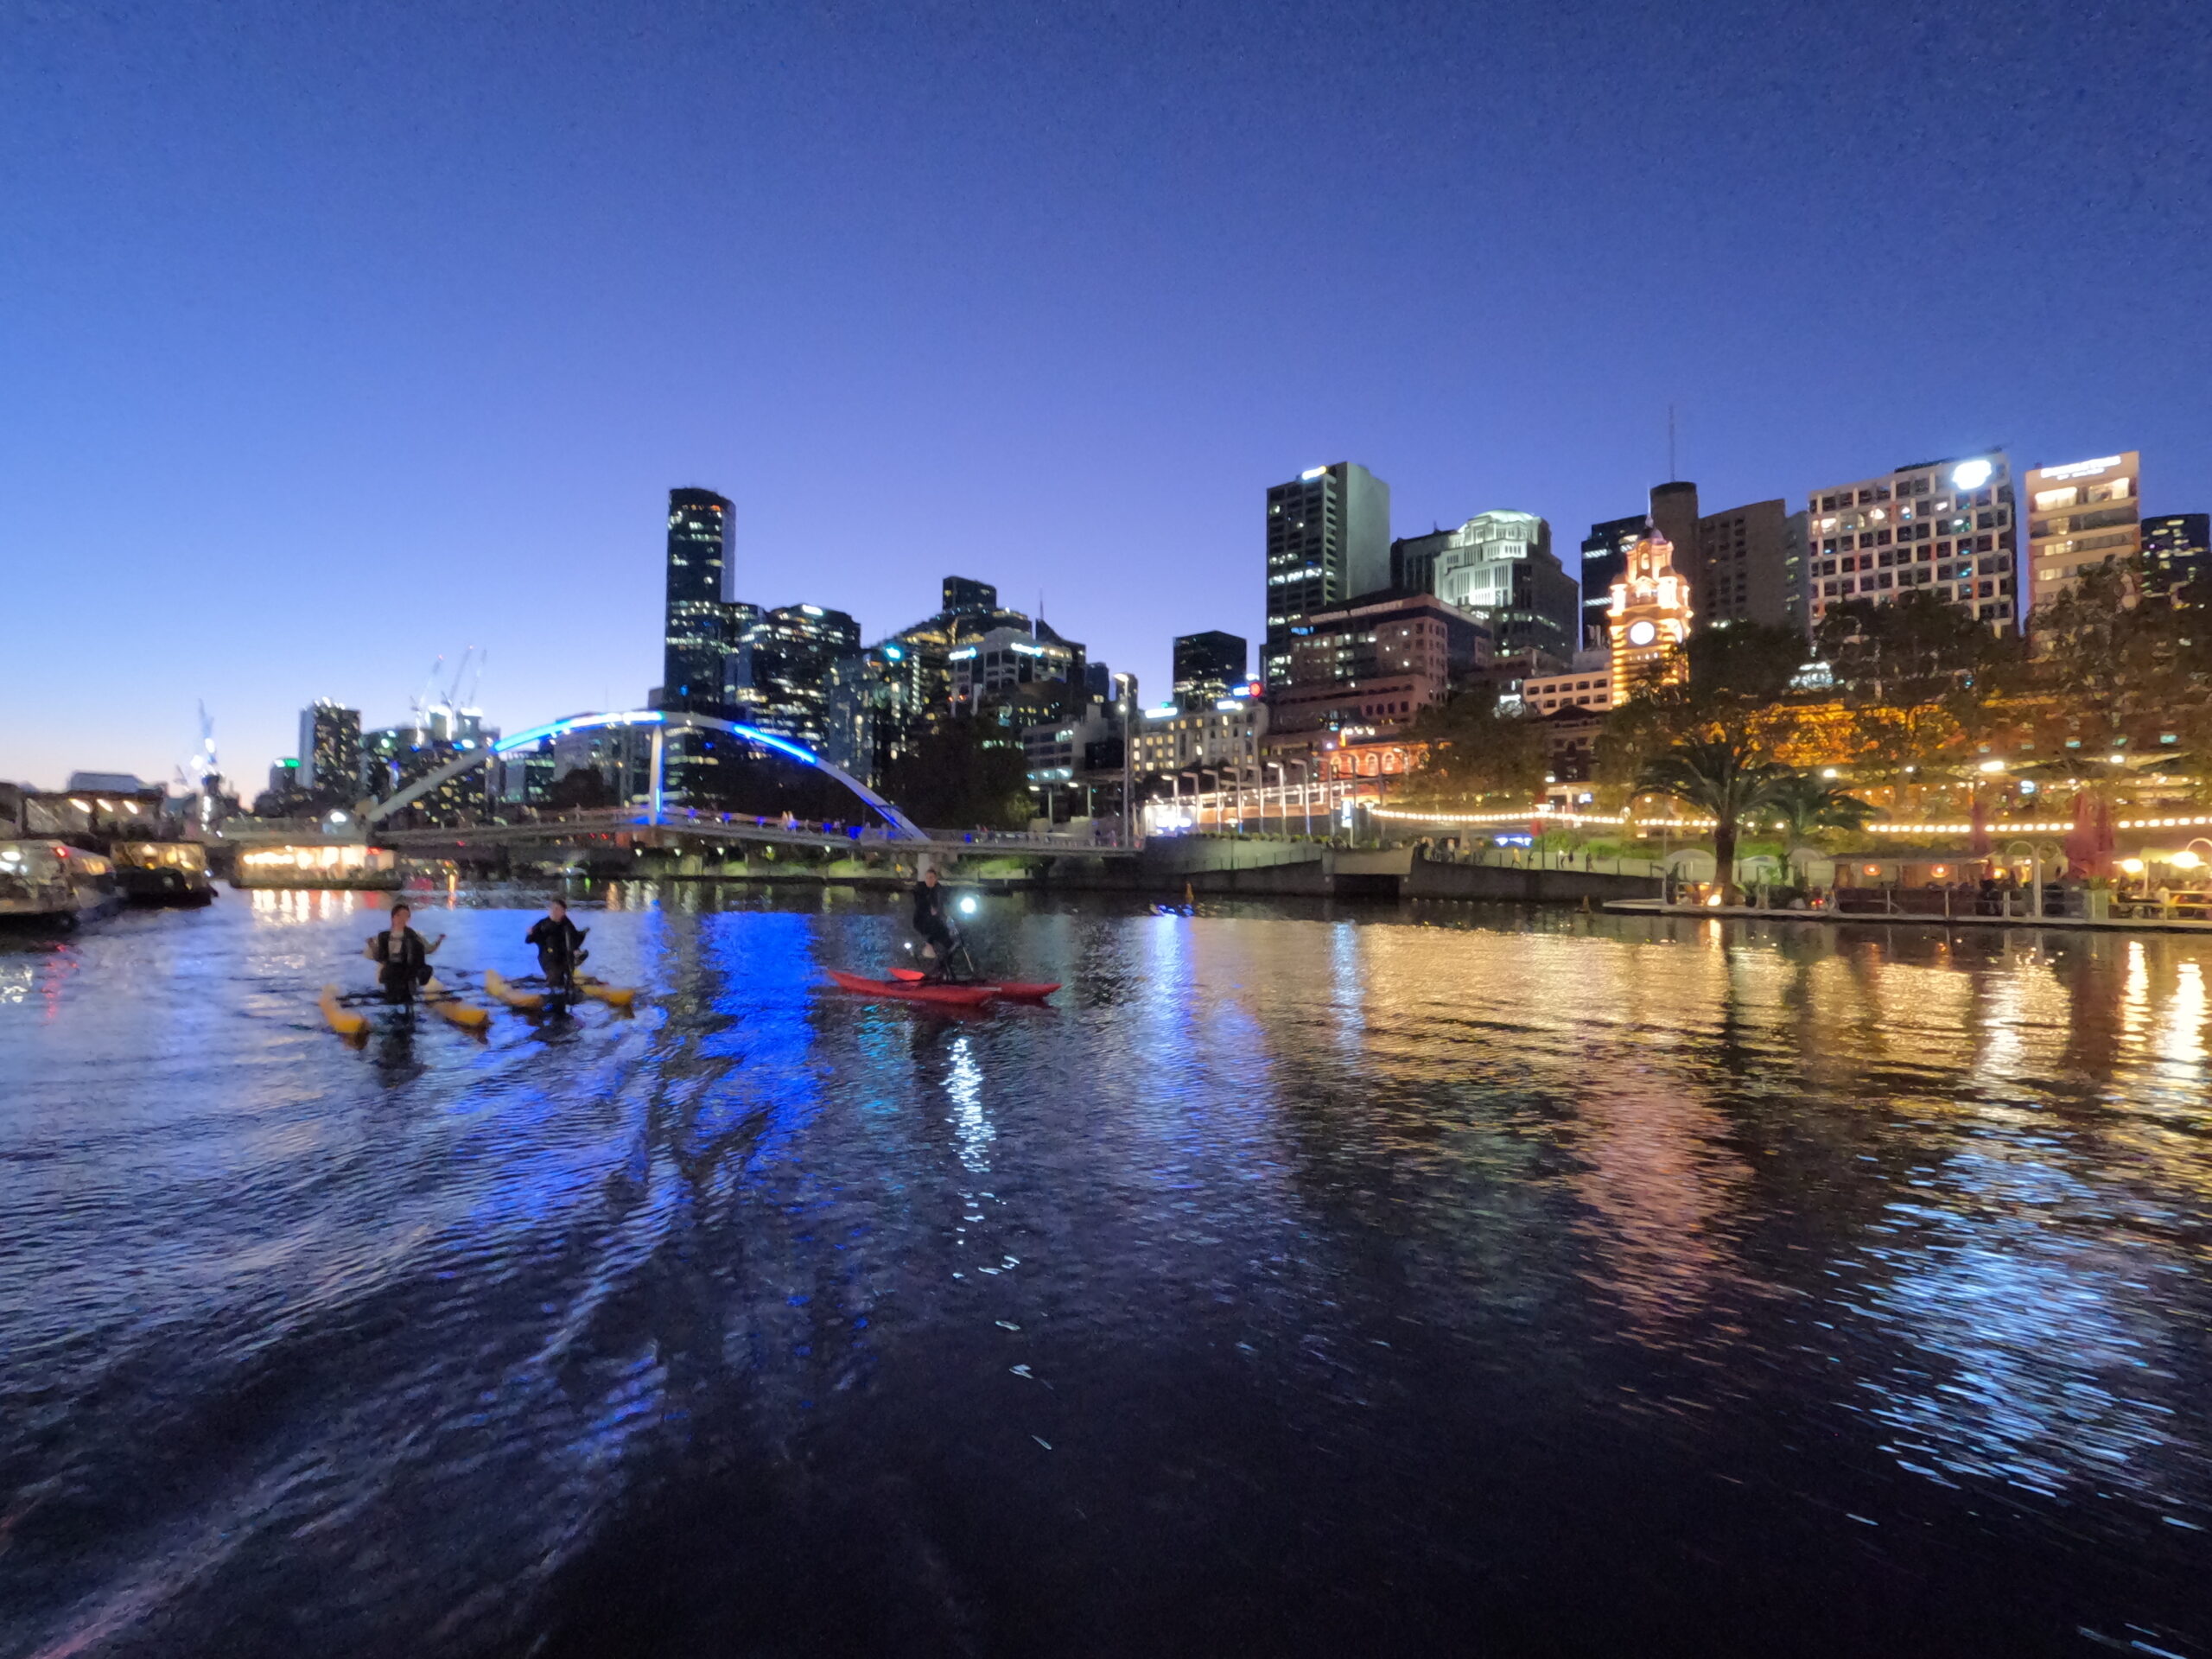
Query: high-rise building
{"x": 694, "y": 639}
{"x": 1604, "y": 555}
{"x": 1328, "y": 541}
{"x": 330, "y": 751}
{"x": 1023, "y": 672}
{"x": 1650, "y": 618}
{"x": 1206, "y": 665}
{"x": 1499, "y": 568}
{"x": 2080, "y": 515}
{"x": 1674, "y": 516}
{"x": 963, "y": 596}
{"x": 784, "y": 673}
{"x": 2176, "y": 551}
{"x": 1944, "y": 525}
{"x": 1376, "y": 662}
{"x": 1745, "y": 563}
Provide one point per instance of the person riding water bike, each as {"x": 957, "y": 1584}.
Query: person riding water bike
{"x": 932, "y": 923}
{"x": 560, "y": 947}
{"x": 402, "y": 959}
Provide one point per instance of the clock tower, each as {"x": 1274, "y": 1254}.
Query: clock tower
{"x": 1650, "y": 618}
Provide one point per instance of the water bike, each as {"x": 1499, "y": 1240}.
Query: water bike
{"x": 533, "y": 995}
{"x": 340, "y": 1007}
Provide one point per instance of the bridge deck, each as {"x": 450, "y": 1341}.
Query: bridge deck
{"x": 721, "y": 829}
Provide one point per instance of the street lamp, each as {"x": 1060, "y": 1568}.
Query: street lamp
{"x": 1282, "y": 815}
{"x": 1306, "y": 794}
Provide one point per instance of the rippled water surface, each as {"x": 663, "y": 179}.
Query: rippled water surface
{"x": 1431, "y": 1280}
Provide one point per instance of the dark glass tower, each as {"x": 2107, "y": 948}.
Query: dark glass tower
{"x": 1206, "y": 667}
{"x": 1604, "y": 555}
{"x": 693, "y": 639}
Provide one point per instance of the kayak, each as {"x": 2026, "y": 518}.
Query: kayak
{"x": 906, "y": 990}
{"x": 343, "y": 1021}
{"x": 1019, "y": 990}
{"x": 498, "y": 985}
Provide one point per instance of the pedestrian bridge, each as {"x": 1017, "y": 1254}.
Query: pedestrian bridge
{"x": 659, "y": 824}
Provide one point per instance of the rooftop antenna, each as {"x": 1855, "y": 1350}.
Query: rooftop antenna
{"x": 1672, "y": 475}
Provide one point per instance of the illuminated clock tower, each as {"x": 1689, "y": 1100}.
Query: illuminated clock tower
{"x": 1648, "y": 620}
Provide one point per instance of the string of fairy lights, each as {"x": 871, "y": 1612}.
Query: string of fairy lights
{"x": 1571, "y": 819}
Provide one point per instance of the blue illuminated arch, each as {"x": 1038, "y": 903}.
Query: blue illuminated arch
{"x": 667, "y": 720}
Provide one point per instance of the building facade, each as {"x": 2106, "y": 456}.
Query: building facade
{"x": 1604, "y": 555}
{"x": 1374, "y": 663}
{"x": 783, "y": 680}
{"x": 2177, "y": 552}
{"x": 1171, "y": 740}
{"x": 1588, "y": 685}
{"x": 330, "y": 750}
{"x": 1946, "y": 526}
{"x": 1750, "y": 560}
{"x": 694, "y": 634}
{"x": 1034, "y": 669}
{"x": 1499, "y": 568}
{"x": 1207, "y": 667}
{"x": 2080, "y": 515}
{"x": 1328, "y": 540}
{"x": 1649, "y": 620}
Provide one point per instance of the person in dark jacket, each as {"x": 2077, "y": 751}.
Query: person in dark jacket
{"x": 402, "y": 958}
{"x": 929, "y": 921}
{"x": 560, "y": 944}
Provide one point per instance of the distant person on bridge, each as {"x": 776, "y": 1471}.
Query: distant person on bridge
{"x": 560, "y": 944}
{"x": 929, "y": 921}
{"x": 402, "y": 959}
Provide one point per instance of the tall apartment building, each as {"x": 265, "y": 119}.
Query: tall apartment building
{"x": 330, "y": 750}
{"x": 1499, "y": 568}
{"x": 1206, "y": 667}
{"x": 694, "y": 637}
{"x": 1328, "y": 541}
{"x": 1750, "y": 566}
{"x": 2176, "y": 551}
{"x": 1944, "y": 525}
{"x": 1604, "y": 555}
{"x": 2079, "y": 516}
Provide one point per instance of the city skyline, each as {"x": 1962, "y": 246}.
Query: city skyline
{"x": 343, "y": 428}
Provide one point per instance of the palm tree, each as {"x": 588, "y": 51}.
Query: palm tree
{"x": 1722, "y": 775}
{"x": 1803, "y": 804}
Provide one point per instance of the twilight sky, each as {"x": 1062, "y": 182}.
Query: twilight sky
{"x": 336, "y": 336}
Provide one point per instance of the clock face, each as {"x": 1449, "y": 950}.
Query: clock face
{"x": 1642, "y": 632}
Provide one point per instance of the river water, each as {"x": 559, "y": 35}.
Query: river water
{"x": 1320, "y": 1280}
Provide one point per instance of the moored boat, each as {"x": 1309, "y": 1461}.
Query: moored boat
{"x": 52, "y": 883}
{"x": 162, "y": 871}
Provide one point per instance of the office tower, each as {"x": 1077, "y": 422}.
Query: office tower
{"x": 2080, "y": 515}
{"x": 1499, "y": 568}
{"x": 1328, "y": 541}
{"x": 1604, "y": 555}
{"x": 1370, "y": 664}
{"x": 1943, "y": 525}
{"x": 1649, "y": 620}
{"x": 330, "y": 751}
{"x": 1745, "y": 565}
{"x": 1674, "y": 516}
{"x": 2178, "y": 553}
{"x": 784, "y": 669}
{"x": 1206, "y": 667}
{"x": 693, "y": 640}
{"x": 964, "y": 596}
{"x": 1018, "y": 674}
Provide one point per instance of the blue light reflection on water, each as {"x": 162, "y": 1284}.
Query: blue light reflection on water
{"x": 1906, "y": 1233}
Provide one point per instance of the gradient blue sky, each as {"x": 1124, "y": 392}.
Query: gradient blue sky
{"x": 335, "y": 337}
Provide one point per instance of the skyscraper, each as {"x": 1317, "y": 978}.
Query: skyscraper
{"x": 2176, "y": 551}
{"x": 330, "y": 751}
{"x": 1604, "y": 555}
{"x": 1745, "y": 561}
{"x": 785, "y": 675}
{"x": 1328, "y": 541}
{"x": 693, "y": 639}
{"x": 2079, "y": 516}
{"x": 1674, "y": 516}
{"x": 964, "y": 596}
{"x": 1206, "y": 665}
{"x": 1944, "y": 525}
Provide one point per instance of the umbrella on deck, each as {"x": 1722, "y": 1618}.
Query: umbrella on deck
{"x": 2089, "y": 842}
{"x": 1978, "y": 829}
